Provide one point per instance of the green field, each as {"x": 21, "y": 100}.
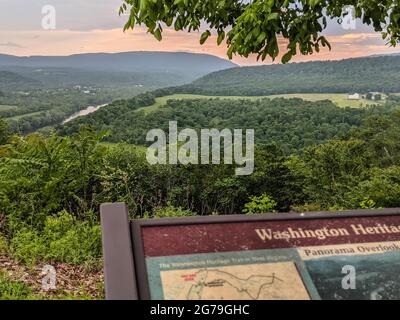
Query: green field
{"x": 163, "y": 100}
{"x": 6, "y": 107}
{"x": 339, "y": 99}
{"x": 25, "y": 115}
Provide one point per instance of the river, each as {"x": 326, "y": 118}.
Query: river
{"x": 84, "y": 112}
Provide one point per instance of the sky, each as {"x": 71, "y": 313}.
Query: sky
{"x": 84, "y": 26}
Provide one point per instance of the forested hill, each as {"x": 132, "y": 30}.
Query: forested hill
{"x": 188, "y": 66}
{"x": 351, "y": 75}
{"x": 11, "y": 80}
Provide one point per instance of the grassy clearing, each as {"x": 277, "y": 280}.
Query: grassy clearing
{"x": 21, "y": 116}
{"x": 4, "y": 107}
{"x": 163, "y": 100}
{"x": 337, "y": 98}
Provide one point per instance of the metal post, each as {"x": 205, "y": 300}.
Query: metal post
{"x": 119, "y": 268}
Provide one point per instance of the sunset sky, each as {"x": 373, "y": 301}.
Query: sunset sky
{"x": 94, "y": 26}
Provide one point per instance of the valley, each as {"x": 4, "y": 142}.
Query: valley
{"x": 163, "y": 149}
{"x": 321, "y": 144}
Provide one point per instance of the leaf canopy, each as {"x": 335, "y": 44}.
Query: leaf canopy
{"x": 254, "y": 27}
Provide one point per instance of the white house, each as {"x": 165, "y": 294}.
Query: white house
{"x": 355, "y": 96}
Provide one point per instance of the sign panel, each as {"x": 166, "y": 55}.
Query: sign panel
{"x": 282, "y": 256}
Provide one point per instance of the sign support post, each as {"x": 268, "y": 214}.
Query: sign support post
{"x": 119, "y": 268}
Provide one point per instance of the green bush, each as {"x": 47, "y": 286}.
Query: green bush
{"x": 169, "y": 212}
{"x": 64, "y": 239}
{"x": 70, "y": 240}
{"x": 367, "y": 204}
{"x": 381, "y": 190}
{"x": 78, "y": 245}
{"x": 13, "y": 290}
{"x": 27, "y": 246}
{"x": 261, "y": 204}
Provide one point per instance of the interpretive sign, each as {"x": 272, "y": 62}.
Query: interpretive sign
{"x": 270, "y": 256}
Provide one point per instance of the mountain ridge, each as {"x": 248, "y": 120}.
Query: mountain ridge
{"x": 131, "y": 61}
{"x": 338, "y": 76}
{"x": 136, "y": 68}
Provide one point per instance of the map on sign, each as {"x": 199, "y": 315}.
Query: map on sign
{"x": 243, "y": 282}
{"x": 279, "y": 274}
{"x": 267, "y": 260}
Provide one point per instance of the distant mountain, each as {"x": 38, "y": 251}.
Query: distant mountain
{"x": 352, "y": 75}
{"x": 13, "y": 81}
{"x": 384, "y": 55}
{"x": 51, "y": 77}
{"x": 176, "y": 67}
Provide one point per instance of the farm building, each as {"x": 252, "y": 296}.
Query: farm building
{"x": 355, "y": 96}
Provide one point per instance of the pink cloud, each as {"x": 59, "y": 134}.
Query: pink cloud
{"x": 65, "y": 42}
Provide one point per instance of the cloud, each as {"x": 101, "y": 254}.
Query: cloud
{"x": 66, "y": 42}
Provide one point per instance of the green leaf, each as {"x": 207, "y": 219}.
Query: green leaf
{"x": 205, "y": 36}
{"x": 230, "y": 53}
{"x": 221, "y": 37}
{"x": 261, "y": 37}
{"x": 287, "y": 57}
{"x": 157, "y": 34}
{"x": 273, "y": 16}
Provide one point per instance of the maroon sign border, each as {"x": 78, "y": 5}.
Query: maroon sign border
{"x": 138, "y": 225}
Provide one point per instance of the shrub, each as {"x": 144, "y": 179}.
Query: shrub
{"x": 367, "y": 204}
{"x": 64, "y": 239}
{"x": 169, "y": 212}
{"x": 57, "y": 226}
{"x": 381, "y": 190}
{"x": 70, "y": 240}
{"x": 27, "y": 246}
{"x": 261, "y": 204}
{"x": 78, "y": 245}
{"x": 13, "y": 290}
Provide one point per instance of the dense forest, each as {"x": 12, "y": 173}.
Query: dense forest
{"x": 347, "y": 76}
{"x": 10, "y": 80}
{"x": 51, "y": 187}
{"x": 290, "y": 123}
